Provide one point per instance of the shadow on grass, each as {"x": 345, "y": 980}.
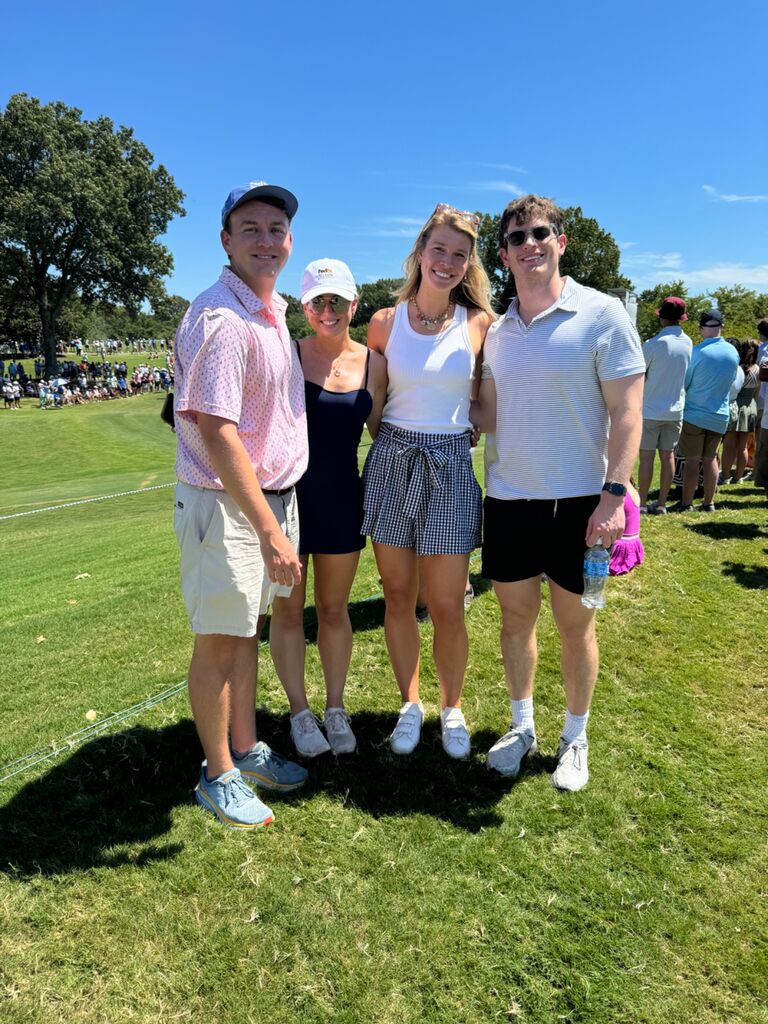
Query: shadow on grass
{"x": 110, "y": 803}
{"x": 751, "y": 577}
{"x": 725, "y": 530}
{"x": 116, "y": 790}
{"x": 378, "y": 782}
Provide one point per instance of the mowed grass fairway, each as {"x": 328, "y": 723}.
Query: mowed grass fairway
{"x": 389, "y": 890}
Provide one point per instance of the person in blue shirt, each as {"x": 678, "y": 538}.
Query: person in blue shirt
{"x": 708, "y": 380}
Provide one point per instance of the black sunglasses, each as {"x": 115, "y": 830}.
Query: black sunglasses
{"x": 518, "y": 237}
{"x": 336, "y": 302}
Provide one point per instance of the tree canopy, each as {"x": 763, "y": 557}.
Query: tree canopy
{"x": 81, "y": 209}
{"x": 591, "y": 256}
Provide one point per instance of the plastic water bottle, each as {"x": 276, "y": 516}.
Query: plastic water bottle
{"x": 595, "y": 574}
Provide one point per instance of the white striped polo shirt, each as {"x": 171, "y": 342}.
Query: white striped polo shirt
{"x": 551, "y": 418}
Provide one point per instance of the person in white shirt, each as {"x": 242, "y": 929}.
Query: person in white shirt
{"x": 562, "y": 388}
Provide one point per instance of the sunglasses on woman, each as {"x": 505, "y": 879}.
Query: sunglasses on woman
{"x": 336, "y": 302}
{"x": 518, "y": 238}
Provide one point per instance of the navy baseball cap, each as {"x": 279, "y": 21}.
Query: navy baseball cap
{"x": 272, "y": 194}
{"x": 711, "y": 318}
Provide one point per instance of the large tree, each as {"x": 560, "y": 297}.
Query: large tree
{"x": 591, "y": 256}
{"x": 81, "y": 209}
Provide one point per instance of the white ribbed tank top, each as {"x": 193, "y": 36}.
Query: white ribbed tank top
{"x": 430, "y": 376}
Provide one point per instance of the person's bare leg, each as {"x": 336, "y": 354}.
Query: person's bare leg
{"x": 666, "y": 474}
{"x": 520, "y": 604}
{"x": 742, "y": 455}
{"x": 242, "y": 693}
{"x": 645, "y": 475}
{"x": 444, "y": 579}
{"x": 222, "y": 683}
{"x": 334, "y": 575}
{"x": 399, "y": 577}
{"x": 710, "y": 479}
{"x": 729, "y": 455}
{"x": 579, "y": 655}
{"x": 690, "y": 480}
{"x": 286, "y": 641}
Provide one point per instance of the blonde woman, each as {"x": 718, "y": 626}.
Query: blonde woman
{"x": 423, "y": 506}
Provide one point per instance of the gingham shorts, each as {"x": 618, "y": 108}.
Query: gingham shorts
{"x": 420, "y": 492}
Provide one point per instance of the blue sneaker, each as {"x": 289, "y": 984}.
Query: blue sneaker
{"x": 232, "y": 801}
{"x": 264, "y": 768}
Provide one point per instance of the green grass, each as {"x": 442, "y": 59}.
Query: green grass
{"x": 390, "y": 890}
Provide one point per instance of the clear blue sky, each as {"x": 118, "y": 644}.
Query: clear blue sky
{"x": 651, "y": 117}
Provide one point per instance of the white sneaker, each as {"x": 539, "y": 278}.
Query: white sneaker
{"x": 407, "y": 732}
{"x": 455, "y": 736}
{"x": 571, "y": 773}
{"x": 306, "y": 735}
{"x": 506, "y": 756}
{"x": 339, "y": 731}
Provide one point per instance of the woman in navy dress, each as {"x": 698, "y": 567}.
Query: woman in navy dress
{"x": 345, "y": 388}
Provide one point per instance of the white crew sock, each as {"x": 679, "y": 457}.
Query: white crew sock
{"x": 575, "y": 729}
{"x": 522, "y": 714}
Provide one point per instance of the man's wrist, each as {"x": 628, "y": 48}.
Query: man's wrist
{"x": 614, "y": 489}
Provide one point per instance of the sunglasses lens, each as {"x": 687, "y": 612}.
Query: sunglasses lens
{"x": 517, "y": 238}
{"x": 336, "y": 302}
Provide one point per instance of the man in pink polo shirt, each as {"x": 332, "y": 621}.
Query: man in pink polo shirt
{"x": 242, "y": 445}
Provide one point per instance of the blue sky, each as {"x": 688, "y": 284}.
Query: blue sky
{"x": 650, "y": 117}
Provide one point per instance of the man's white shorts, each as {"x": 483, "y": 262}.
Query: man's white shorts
{"x": 223, "y": 582}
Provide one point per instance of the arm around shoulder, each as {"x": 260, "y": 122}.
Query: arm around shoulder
{"x": 378, "y": 381}
{"x": 379, "y": 329}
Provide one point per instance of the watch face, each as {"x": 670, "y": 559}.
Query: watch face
{"x": 617, "y": 490}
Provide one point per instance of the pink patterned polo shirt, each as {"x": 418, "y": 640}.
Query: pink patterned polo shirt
{"x": 235, "y": 359}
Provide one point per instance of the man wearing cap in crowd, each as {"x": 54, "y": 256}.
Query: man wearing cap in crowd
{"x": 710, "y": 373}
{"x": 242, "y": 445}
{"x": 667, "y": 355}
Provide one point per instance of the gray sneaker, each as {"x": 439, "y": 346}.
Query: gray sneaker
{"x": 339, "y": 731}
{"x": 306, "y": 735}
{"x": 571, "y": 773}
{"x": 232, "y": 801}
{"x": 506, "y": 756}
{"x": 407, "y": 732}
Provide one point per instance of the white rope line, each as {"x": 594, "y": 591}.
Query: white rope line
{"x": 23, "y": 764}
{"x": 38, "y": 757}
{"x": 87, "y": 501}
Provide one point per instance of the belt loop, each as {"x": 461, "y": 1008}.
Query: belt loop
{"x": 554, "y": 512}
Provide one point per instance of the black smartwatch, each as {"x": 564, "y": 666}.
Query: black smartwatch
{"x": 617, "y": 490}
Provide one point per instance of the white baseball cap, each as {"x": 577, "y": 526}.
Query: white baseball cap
{"x": 327, "y": 277}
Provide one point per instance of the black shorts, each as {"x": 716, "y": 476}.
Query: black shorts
{"x": 523, "y": 539}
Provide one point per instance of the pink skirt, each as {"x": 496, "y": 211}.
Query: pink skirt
{"x": 626, "y": 554}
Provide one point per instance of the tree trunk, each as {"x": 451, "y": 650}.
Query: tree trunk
{"x": 49, "y": 339}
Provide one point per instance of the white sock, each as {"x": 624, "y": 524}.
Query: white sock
{"x": 522, "y": 714}
{"x": 575, "y": 729}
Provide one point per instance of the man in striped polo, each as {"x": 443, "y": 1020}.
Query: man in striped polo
{"x": 562, "y": 389}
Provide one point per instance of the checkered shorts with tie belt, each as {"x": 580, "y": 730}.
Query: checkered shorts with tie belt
{"x": 420, "y": 492}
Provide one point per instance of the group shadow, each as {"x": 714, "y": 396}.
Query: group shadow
{"x": 750, "y": 576}
{"x": 111, "y": 801}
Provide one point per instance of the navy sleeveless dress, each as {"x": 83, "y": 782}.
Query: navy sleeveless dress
{"x": 330, "y": 494}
